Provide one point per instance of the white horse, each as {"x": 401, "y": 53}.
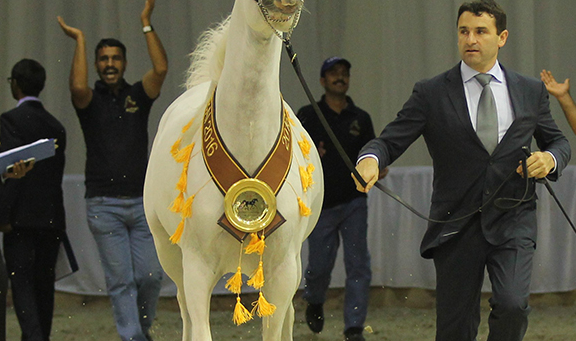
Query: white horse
{"x": 242, "y": 59}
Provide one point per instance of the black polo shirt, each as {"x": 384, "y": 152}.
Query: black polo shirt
{"x": 116, "y": 134}
{"x": 353, "y": 128}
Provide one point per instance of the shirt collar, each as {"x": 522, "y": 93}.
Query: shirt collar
{"x": 468, "y": 73}
{"x": 28, "y": 98}
{"x": 100, "y": 86}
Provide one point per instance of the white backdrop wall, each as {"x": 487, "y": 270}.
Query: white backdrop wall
{"x": 391, "y": 44}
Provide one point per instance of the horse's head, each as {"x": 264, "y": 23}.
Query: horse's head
{"x": 280, "y": 15}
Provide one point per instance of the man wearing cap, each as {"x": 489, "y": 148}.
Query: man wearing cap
{"x": 344, "y": 211}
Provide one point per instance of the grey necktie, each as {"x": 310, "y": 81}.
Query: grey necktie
{"x": 487, "y": 119}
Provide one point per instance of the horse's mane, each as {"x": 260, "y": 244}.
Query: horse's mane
{"x": 207, "y": 59}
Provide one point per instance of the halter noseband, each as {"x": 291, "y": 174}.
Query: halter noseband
{"x": 267, "y": 18}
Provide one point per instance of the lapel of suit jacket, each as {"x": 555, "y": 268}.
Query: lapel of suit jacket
{"x": 516, "y": 98}
{"x": 455, "y": 89}
{"x": 515, "y": 92}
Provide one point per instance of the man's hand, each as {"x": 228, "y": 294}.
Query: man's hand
{"x": 369, "y": 171}
{"x": 19, "y": 171}
{"x": 70, "y": 31}
{"x": 539, "y": 164}
{"x": 556, "y": 89}
{"x": 147, "y": 12}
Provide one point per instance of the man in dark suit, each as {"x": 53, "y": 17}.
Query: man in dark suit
{"x": 32, "y": 207}
{"x": 470, "y": 172}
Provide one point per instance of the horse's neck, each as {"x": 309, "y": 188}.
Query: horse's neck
{"x": 248, "y": 100}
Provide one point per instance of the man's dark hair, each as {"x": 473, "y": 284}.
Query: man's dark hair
{"x": 485, "y": 6}
{"x": 110, "y": 42}
{"x": 30, "y": 77}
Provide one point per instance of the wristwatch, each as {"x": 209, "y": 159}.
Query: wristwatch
{"x": 147, "y": 29}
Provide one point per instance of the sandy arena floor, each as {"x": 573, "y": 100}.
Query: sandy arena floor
{"x": 394, "y": 315}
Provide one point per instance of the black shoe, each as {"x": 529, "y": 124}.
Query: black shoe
{"x": 315, "y": 317}
{"x": 354, "y": 334}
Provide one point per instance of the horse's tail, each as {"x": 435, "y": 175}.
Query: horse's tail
{"x": 207, "y": 59}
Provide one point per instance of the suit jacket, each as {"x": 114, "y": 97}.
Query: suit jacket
{"x": 465, "y": 175}
{"x": 36, "y": 200}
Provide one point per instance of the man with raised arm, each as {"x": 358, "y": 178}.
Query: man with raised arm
{"x": 562, "y": 93}
{"x": 114, "y": 119}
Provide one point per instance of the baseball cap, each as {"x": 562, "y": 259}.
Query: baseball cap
{"x": 330, "y": 62}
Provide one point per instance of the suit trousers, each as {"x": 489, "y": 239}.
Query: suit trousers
{"x": 3, "y": 294}
{"x": 31, "y": 260}
{"x": 460, "y": 266}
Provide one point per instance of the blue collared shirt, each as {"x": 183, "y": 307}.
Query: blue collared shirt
{"x": 27, "y": 98}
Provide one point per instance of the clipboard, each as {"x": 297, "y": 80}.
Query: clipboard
{"x": 39, "y": 150}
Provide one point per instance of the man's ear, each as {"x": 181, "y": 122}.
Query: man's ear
{"x": 503, "y": 38}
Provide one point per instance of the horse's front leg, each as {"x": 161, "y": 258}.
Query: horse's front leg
{"x": 199, "y": 281}
{"x": 282, "y": 281}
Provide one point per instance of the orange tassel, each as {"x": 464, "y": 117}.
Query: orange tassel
{"x": 305, "y": 146}
{"x": 175, "y": 238}
{"x": 187, "y": 126}
{"x": 187, "y": 208}
{"x": 175, "y": 147}
{"x": 311, "y": 170}
{"x": 254, "y": 239}
{"x": 257, "y": 279}
{"x": 184, "y": 154}
{"x": 290, "y": 120}
{"x": 305, "y": 179}
{"x": 262, "y": 307}
{"x": 234, "y": 284}
{"x": 256, "y": 247}
{"x": 304, "y": 211}
{"x": 241, "y": 314}
{"x": 176, "y": 205}
{"x": 181, "y": 185}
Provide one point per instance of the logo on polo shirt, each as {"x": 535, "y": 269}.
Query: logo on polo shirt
{"x": 130, "y": 105}
{"x": 355, "y": 128}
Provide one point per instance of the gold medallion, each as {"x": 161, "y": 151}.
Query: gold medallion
{"x": 250, "y": 205}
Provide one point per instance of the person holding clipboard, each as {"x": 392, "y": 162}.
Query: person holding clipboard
{"x": 31, "y": 203}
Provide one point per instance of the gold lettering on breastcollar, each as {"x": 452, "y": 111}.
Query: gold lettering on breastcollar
{"x": 286, "y": 136}
{"x": 210, "y": 145}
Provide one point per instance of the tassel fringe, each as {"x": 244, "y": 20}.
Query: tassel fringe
{"x": 263, "y": 307}
{"x": 257, "y": 245}
{"x": 234, "y": 284}
{"x": 176, "y": 205}
{"x": 306, "y": 176}
{"x": 304, "y": 211}
{"x": 256, "y": 281}
{"x": 175, "y": 238}
{"x": 182, "y": 183}
{"x": 187, "y": 208}
{"x": 183, "y": 155}
{"x": 175, "y": 148}
{"x": 187, "y": 126}
{"x": 305, "y": 146}
{"x": 241, "y": 314}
